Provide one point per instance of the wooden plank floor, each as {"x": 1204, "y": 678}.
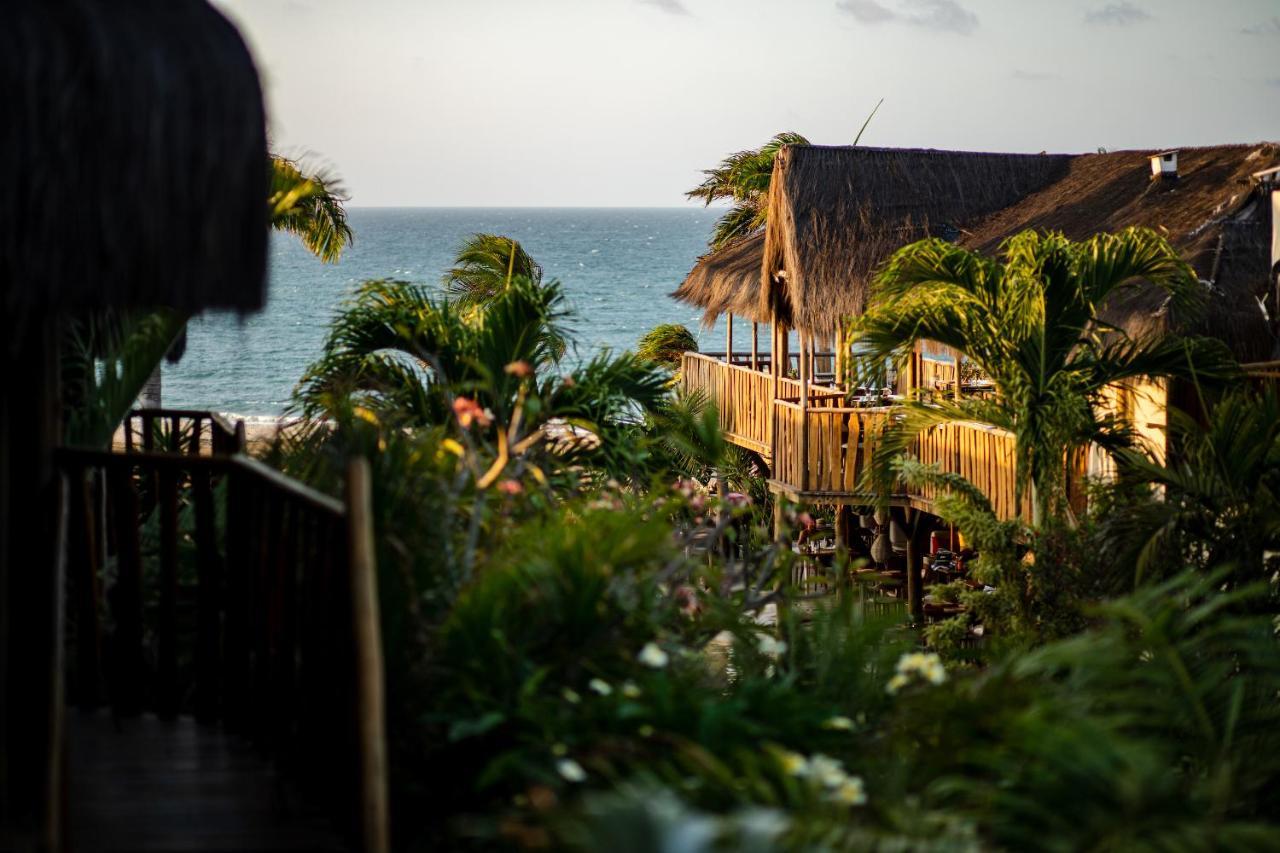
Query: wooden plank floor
{"x": 145, "y": 784}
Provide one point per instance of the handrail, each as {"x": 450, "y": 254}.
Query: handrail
{"x": 260, "y": 613}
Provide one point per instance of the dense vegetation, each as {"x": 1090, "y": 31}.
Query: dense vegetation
{"x": 579, "y": 594}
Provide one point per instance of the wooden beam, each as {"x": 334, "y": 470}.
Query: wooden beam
{"x": 806, "y": 366}
{"x": 755, "y": 345}
{"x": 728, "y": 349}
{"x": 370, "y": 704}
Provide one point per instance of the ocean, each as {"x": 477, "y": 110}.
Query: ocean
{"x": 617, "y": 265}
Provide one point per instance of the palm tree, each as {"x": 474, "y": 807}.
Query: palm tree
{"x": 1030, "y": 321}
{"x": 485, "y": 265}
{"x": 1220, "y": 503}
{"x": 309, "y": 204}
{"x": 665, "y": 344}
{"x": 400, "y": 349}
{"x": 743, "y": 179}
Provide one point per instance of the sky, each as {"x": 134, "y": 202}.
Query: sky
{"x": 621, "y": 103}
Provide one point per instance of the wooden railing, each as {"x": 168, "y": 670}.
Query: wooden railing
{"x": 181, "y": 431}
{"x": 985, "y": 456}
{"x": 743, "y": 398}
{"x": 833, "y": 458}
{"x": 233, "y": 593}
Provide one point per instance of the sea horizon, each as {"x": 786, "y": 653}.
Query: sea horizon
{"x": 617, "y": 265}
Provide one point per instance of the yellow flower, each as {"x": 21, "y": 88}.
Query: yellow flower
{"x": 851, "y": 792}
{"x": 838, "y": 724}
{"x": 600, "y": 686}
{"x": 794, "y": 764}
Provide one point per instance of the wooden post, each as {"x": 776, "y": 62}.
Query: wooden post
{"x": 917, "y": 544}
{"x": 728, "y": 348}
{"x": 755, "y": 345}
{"x": 370, "y": 710}
{"x": 779, "y": 518}
{"x": 839, "y": 357}
{"x": 167, "y": 693}
{"x": 806, "y": 366}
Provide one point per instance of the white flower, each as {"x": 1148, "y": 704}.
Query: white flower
{"x": 918, "y": 664}
{"x": 570, "y": 770}
{"x": 630, "y": 690}
{"x": 838, "y": 724}
{"x": 600, "y": 686}
{"x": 653, "y": 656}
{"x": 770, "y": 645}
{"x": 571, "y": 696}
{"x": 851, "y": 792}
{"x": 826, "y": 771}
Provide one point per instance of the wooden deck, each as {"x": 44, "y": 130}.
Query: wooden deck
{"x": 147, "y": 784}
{"x": 202, "y": 585}
{"x": 821, "y": 451}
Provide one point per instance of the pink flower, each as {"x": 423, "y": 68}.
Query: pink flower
{"x": 806, "y": 520}
{"x": 519, "y": 369}
{"x": 511, "y": 487}
{"x": 568, "y": 381}
{"x": 468, "y": 411}
{"x": 737, "y": 499}
{"x": 687, "y": 596}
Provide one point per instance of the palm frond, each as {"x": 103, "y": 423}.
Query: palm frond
{"x": 311, "y": 205}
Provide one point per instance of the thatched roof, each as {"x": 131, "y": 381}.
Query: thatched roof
{"x": 727, "y": 280}
{"x": 133, "y": 158}
{"x": 836, "y": 213}
{"x": 1211, "y": 213}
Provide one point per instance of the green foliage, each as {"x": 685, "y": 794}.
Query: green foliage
{"x": 485, "y": 266}
{"x": 1219, "y": 505}
{"x": 1031, "y": 323}
{"x": 665, "y": 344}
{"x": 311, "y": 205}
{"x": 106, "y": 359}
{"x": 743, "y": 179}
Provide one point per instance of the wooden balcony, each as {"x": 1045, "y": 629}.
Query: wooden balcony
{"x": 821, "y": 451}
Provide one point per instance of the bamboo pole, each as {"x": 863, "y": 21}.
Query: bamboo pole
{"x": 806, "y": 368}
{"x": 728, "y": 349}
{"x": 755, "y": 345}
{"x": 370, "y": 704}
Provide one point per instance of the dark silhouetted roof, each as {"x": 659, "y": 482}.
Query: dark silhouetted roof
{"x": 133, "y": 158}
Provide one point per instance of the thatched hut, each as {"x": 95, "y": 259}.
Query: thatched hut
{"x": 836, "y": 213}
{"x": 1211, "y": 209}
{"x": 727, "y": 281}
{"x": 133, "y": 150}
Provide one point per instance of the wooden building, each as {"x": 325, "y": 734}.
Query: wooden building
{"x": 837, "y": 213}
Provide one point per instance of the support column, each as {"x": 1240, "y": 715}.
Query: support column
{"x": 728, "y": 349}
{"x": 755, "y": 345}
{"x": 805, "y": 377}
{"x": 917, "y": 545}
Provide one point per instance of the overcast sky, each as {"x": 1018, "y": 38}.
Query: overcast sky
{"x": 622, "y": 102}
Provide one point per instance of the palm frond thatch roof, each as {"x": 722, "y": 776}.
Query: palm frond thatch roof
{"x": 836, "y": 213}
{"x": 1212, "y": 213}
{"x": 727, "y": 281}
{"x": 133, "y": 158}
